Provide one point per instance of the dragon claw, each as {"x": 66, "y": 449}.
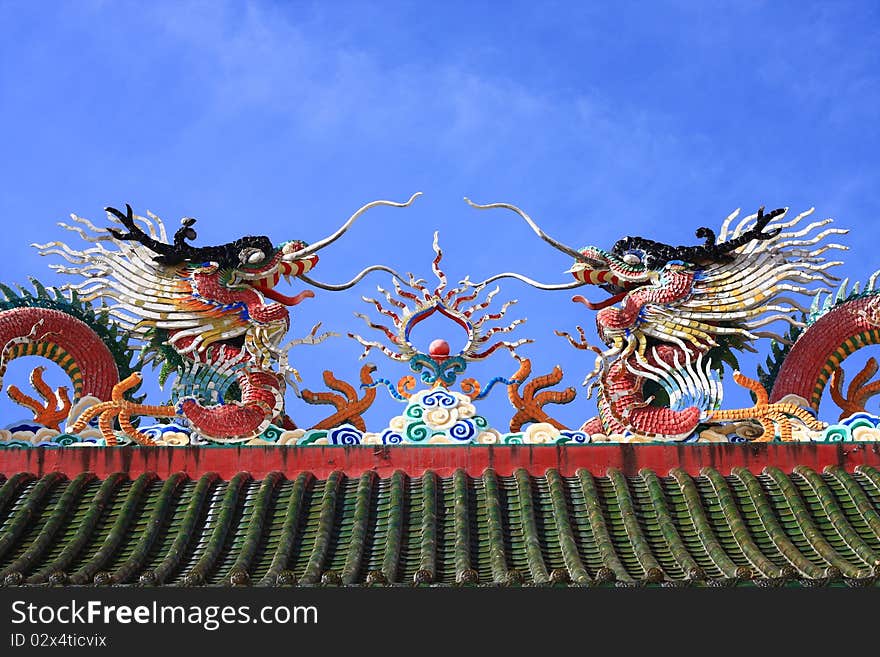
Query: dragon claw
{"x": 122, "y": 409}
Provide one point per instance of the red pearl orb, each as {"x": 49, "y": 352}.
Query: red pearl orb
{"x": 438, "y": 349}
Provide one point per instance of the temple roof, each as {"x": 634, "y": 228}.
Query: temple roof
{"x": 675, "y": 528}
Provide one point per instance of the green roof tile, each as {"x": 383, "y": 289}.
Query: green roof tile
{"x": 770, "y": 529}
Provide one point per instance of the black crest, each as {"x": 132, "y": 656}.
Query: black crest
{"x": 226, "y": 255}
{"x": 658, "y": 254}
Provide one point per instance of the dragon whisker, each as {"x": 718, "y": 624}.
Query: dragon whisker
{"x": 317, "y": 246}
{"x": 541, "y": 286}
{"x": 353, "y": 281}
{"x": 537, "y": 230}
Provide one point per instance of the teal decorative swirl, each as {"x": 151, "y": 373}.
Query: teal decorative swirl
{"x": 414, "y": 411}
{"x": 837, "y": 434}
{"x": 447, "y": 371}
{"x": 312, "y": 437}
{"x": 418, "y": 432}
{"x": 272, "y": 433}
{"x": 70, "y": 438}
{"x": 843, "y": 431}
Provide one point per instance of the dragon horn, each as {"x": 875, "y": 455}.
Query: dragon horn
{"x": 756, "y": 232}
{"x": 317, "y": 246}
{"x": 135, "y": 234}
{"x": 713, "y": 250}
{"x": 540, "y": 233}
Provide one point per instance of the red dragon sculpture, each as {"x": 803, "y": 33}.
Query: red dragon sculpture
{"x": 674, "y": 310}
{"x": 211, "y": 313}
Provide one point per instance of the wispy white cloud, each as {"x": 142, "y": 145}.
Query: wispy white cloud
{"x": 260, "y": 59}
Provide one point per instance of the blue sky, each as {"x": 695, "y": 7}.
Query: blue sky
{"x": 283, "y": 118}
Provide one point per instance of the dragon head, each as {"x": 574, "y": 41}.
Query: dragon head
{"x": 190, "y": 297}
{"x": 250, "y": 260}
{"x": 636, "y": 262}
{"x": 698, "y": 295}
{"x": 675, "y": 312}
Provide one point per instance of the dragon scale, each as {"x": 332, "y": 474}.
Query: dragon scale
{"x": 824, "y": 345}
{"x": 63, "y": 339}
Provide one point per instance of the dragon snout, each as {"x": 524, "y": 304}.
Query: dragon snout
{"x": 292, "y": 262}
{"x": 587, "y": 262}
{"x": 590, "y": 276}
{"x": 591, "y": 268}
{"x": 291, "y": 248}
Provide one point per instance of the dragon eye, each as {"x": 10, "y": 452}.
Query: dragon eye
{"x": 251, "y": 256}
{"x": 632, "y": 258}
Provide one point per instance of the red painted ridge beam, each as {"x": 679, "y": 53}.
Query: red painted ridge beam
{"x": 354, "y": 461}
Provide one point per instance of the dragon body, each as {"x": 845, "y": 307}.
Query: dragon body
{"x": 210, "y": 314}
{"x": 830, "y": 337}
{"x": 93, "y": 352}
